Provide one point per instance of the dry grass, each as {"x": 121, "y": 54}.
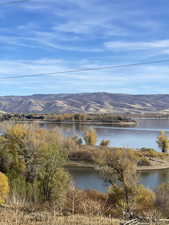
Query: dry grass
{"x": 20, "y": 217}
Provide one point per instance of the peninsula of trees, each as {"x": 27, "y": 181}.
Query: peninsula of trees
{"x": 95, "y": 119}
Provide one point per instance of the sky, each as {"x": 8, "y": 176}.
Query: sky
{"x": 48, "y": 36}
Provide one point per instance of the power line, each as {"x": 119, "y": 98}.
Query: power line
{"x": 9, "y": 76}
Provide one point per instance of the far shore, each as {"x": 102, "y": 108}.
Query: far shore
{"x": 118, "y": 124}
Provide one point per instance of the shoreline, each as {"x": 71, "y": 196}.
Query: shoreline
{"x": 152, "y": 168}
{"x": 78, "y": 165}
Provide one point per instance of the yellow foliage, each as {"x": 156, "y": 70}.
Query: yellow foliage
{"x": 163, "y": 141}
{"x": 4, "y": 188}
{"x": 90, "y": 137}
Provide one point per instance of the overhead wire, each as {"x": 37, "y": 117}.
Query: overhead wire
{"x": 9, "y": 76}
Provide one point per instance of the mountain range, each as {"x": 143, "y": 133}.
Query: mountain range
{"x": 100, "y": 102}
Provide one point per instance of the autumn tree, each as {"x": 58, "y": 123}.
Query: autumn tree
{"x": 33, "y": 156}
{"x": 163, "y": 142}
{"x": 119, "y": 168}
{"x": 90, "y": 137}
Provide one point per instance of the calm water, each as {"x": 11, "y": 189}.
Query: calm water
{"x": 89, "y": 179}
{"x": 144, "y": 135}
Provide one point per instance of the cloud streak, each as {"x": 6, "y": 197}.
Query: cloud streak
{"x": 125, "y": 46}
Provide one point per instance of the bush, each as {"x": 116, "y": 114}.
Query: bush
{"x": 162, "y": 198}
{"x": 143, "y": 162}
{"x": 88, "y": 202}
{"x": 140, "y": 199}
{"x": 4, "y": 188}
{"x": 104, "y": 143}
{"x": 144, "y": 199}
{"x": 150, "y": 152}
{"x": 82, "y": 155}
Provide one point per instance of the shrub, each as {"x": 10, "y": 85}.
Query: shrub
{"x": 143, "y": 162}
{"x": 104, "y": 143}
{"x": 78, "y": 140}
{"x": 4, "y": 188}
{"x": 89, "y": 202}
{"x": 140, "y": 199}
{"x": 162, "y": 198}
{"x": 144, "y": 199}
{"x": 82, "y": 155}
{"x": 150, "y": 152}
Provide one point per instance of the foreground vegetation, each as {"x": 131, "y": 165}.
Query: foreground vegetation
{"x": 36, "y": 188}
{"x": 19, "y": 216}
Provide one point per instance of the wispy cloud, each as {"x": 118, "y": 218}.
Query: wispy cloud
{"x": 53, "y": 35}
{"x": 125, "y": 46}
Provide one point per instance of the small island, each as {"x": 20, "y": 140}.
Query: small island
{"x": 73, "y": 118}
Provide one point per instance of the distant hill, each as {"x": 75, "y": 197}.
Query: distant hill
{"x": 85, "y": 102}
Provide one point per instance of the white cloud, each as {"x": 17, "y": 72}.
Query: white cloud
{"x": 124, "y": 45}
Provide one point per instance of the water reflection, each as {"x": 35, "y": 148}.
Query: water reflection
{"x": 89, "y": 179}
{"x": 152, "y": 179}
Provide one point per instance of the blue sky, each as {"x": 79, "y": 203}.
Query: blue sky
{"x": 45, "y": 36}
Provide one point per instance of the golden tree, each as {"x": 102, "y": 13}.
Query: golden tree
{"x": 163, "y": 141}
{"x": 90, "y": 137}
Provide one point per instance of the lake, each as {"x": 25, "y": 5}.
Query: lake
{"x": 144, "y": 135}
{"x": 89, "y": 179}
